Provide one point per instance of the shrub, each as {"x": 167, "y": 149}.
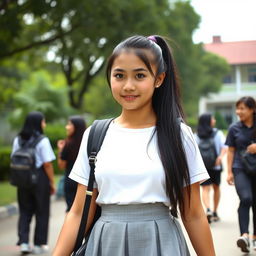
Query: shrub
{"x": 55, "y": 132}
{"x": 5, "y": 153}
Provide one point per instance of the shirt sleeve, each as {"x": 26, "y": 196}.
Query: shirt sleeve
{"x": 81, "y": 169}
{"x": 15, "y": 145}
{"x": 197, "y": 170}
{"x": 230, "y": 141}
{"x": 45, "y": 151}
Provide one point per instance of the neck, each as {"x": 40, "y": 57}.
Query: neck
{"x": 249, "y": 122}
{"x": 133, "y": 119}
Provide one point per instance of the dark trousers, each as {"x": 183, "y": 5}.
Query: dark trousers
{"x": 246, "y": 190}
{"x": 34, "y": 201}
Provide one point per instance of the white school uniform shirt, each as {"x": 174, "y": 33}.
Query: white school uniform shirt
{"x": 128, "y": 168}
{"x": 219, "y": 141}
{"x": 44, "y": 152}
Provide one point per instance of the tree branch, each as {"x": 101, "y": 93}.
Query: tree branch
{"x": 36, "y": 44}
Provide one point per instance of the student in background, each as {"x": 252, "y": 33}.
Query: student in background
{"x": 206, "y": 131}
{"x": 242, "y": 136}
{"x": 35, "y": 200}
{"x": 68, "y": 150}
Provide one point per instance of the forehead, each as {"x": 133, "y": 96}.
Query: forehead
{"x": 131, "y": 58}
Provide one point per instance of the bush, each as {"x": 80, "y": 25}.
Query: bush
{"x": 55, "y": 132}
{"x": 5, "y": 153}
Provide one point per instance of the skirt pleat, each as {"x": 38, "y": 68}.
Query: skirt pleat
{"x": 136, "y": 230}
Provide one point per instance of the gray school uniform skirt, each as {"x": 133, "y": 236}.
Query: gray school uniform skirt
{"x": 136, "y": 230}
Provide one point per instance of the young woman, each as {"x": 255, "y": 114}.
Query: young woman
{"x": 206, "y": 130}
{"x": 148, "y": 162}
{"x": 68, "y": 150}
{"x": 241, "y": 136}
{"x": 36, "y": 200}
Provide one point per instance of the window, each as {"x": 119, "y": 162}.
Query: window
{"x": 252, "y": 75}
{"x": 227, "y": 79}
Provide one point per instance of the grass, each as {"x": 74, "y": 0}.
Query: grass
{"x": 8, "y": 192}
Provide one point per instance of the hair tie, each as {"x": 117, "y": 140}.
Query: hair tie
{"x": 152, "y": 38}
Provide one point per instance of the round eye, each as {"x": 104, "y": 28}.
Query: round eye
{"x": 140, "y": 75}
{"x": 118, "y": 76}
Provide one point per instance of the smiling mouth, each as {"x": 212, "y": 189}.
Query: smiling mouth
{"x": 129, "y": 97}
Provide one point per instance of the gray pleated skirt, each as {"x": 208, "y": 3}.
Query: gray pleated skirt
{"x": 136, "y": 230}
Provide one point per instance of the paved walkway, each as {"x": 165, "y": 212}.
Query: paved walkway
{"x": 224, "y": 232}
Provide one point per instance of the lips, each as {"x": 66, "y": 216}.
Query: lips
{"x": 130, "y": 97}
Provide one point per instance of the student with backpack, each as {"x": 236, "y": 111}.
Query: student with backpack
{"x": 211, "y": 143}
{"x": 33, "y": 197}
{"x": 148, "y": 162}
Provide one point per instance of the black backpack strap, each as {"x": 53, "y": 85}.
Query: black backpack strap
{"x": 95, "y": 140}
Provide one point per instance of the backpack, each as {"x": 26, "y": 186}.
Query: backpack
{"x": 208, "y": 150}
{"x": 23, "y": 171}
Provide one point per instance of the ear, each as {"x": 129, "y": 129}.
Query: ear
{"x": 159, "y": 80}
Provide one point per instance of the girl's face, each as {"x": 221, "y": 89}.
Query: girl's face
{"x": 213, "y": 122}
{"x": 132, "y": 84}
{"x": 244, "y": 112}
{"x": 43, "y": 124}
{"x": 70, "y": 129}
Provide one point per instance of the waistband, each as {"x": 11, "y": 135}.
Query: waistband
{"x": 134, "y": 212}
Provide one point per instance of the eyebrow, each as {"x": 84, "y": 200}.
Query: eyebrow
{"x": 134, "y": 70}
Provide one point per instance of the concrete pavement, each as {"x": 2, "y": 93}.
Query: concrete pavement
{"x": 224, "y": 232}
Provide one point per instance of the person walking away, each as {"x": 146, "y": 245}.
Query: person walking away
{"x": 148, "y": 162}
{"x": 242, "y": 136}
{"x": 211, "y": 143}
{"x": 68, "y": 150}
{"x": 35, "y": 200}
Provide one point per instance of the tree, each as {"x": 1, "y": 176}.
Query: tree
{"x": 79, "y": 33}
{"x": 39, "y": 95}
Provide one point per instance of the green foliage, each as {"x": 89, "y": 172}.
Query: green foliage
{"x": 5, "y": 153}
{"x": 99, "y": 100}
{"x": 220, "y": 121}
{"x": 79, "y": 35}
{"x": 38, "y": 94}
{"x": 55, "y": 132}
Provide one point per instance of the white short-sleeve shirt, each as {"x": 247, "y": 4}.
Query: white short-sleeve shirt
{"x": 44, "y": 152}
{"x": 128, "y": 168}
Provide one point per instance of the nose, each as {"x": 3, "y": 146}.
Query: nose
{"x": 129, "y": 85}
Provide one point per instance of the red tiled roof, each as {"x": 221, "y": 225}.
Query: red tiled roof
{"x": 243, "y": 52}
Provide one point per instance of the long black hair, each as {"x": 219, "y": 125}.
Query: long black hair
{"x": 250, "y": 103}
{"x": 32, "y": 125}
{"x": 204, "y": 128}
{"x": 75, "y": 139}
{"x": 167, "y": 106}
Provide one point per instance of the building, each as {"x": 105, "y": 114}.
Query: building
{"x": 241, "y": 81}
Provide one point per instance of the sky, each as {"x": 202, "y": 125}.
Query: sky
{"x": 233, "y": 20}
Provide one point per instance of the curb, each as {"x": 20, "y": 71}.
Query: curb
{"x": 8, "y": 210}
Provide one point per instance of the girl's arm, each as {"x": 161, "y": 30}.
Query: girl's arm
{"x": 196, "y": 224}
{"x": 48, "y": 168}
{"x": 230, "y": 159}
{"x": 69, "y": 231}
{"x": 62, "y": 164}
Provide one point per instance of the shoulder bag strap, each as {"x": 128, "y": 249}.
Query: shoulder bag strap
{"x": 95, "y": 140}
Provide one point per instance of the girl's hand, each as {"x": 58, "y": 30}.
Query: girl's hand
{"x": 61, "y": 144}
{"x": 230, "y": 178}
{"x": 218, "y": 161}
{"x": 252, "y": 148}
